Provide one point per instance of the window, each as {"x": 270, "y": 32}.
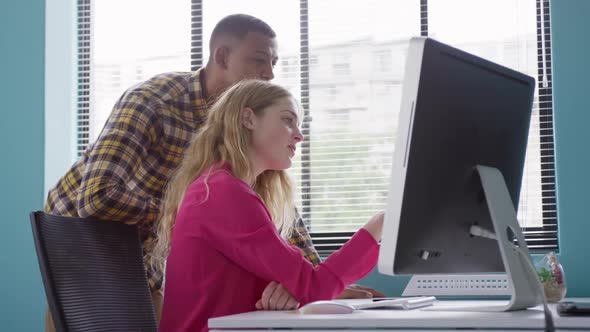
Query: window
{"x": 133, "y": 40}
{"x": 383, "y": 61}
{"x": 345, "y": 63}
{"x": 341, "y": 65}
{"x": 521, "y": 42}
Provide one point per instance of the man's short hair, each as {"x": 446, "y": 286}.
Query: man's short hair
{"x": 238, "y": 26}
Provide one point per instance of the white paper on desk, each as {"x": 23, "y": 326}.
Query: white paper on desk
{"x": 399, "y": 303}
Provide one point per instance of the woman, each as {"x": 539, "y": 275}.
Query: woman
{"x": 226, "y": 208}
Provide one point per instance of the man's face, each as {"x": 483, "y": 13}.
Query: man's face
{"x": 252, "y": 58}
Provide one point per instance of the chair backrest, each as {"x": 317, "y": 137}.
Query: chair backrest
{"x": 93, "y": 274}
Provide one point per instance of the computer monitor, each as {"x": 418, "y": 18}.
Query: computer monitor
{"x": 457, "y": 167}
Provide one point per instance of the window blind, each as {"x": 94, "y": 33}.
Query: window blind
{"x": 521, "y": 42}
{"x": 345, "y": 64}
{"x": 526, "y": 50}
{"x": 354, "y": 93}
{"x": 196, "y": 34}
{"x": 545, "y": 236}
{"x": 132, "y": 41}
{"x": 84, "y": 12}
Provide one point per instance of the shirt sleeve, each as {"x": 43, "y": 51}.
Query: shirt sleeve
{"x": 122, "y": 146}
{"x": 242, "y": 230}
{"x": 302, "y": 239}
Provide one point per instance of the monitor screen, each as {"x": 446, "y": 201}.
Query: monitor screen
{"x": 457, "y": 111}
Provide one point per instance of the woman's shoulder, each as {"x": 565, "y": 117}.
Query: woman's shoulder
{"x": 220, "y": 183}
{"x": 224, "y": 181}
{"x": 220, "y": 194}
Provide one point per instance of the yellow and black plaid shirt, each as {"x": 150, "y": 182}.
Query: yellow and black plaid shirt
{"x": 121, "y": 176}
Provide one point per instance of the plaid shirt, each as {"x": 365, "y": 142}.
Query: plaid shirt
{"x": 121, "y": 176}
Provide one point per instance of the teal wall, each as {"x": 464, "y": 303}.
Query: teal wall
{"x": 571, "y": 70}
{"x": 60, "y": 88}
{"x": 22, "y": 47}
{"x": 571, "y": 63}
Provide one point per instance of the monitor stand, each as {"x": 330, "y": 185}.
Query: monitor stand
{"x": 521, "y": 275}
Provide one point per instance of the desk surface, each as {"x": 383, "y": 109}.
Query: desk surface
{"x": 403, "y": 319}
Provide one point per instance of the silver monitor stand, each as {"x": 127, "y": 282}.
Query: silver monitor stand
{"x": 522, "y": 278}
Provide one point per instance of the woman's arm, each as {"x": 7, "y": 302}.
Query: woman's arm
{"x": 239, "y": 226}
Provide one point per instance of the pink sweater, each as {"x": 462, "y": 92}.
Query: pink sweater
{"x": 226, "y": 249}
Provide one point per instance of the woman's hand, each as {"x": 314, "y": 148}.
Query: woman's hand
{"x": 375, "y": 225}
{"x": 359, "y": 292}
{"x": 276, "y": 297}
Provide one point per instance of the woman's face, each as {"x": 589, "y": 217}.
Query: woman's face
{"x": 275, "y": 134}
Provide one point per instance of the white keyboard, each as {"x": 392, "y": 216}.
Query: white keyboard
{"x": 393, "y": 303}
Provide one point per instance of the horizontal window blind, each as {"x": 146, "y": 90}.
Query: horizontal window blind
{"x": 341, "y": 195}
{"x": 132, "y": 41}
{"x": 345, "y": 63}
{"x": 520, "y": 42}
{"x": 196, "y": 34}
{"x": 356, "y": 62}
{"x": 83, "y": 23}
{"x": 544, "y": 235}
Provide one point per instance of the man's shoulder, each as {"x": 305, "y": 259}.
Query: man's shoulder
{"x": 172, "y": 92}
{"x": 165, "y": 85}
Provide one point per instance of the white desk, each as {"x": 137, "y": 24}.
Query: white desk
{"x": 399, "y": 320}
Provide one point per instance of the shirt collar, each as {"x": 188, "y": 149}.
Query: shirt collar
{"x": 199, "y": 89}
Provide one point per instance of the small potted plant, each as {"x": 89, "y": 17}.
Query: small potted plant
{"x": 552, "y": 278}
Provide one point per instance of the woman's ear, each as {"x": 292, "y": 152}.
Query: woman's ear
{"x": 248, "y": 118}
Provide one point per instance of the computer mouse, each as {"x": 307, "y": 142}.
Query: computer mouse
{"x": 326, "y": 307}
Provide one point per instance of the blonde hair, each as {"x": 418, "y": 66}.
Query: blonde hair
{"x": 224, "y": 139}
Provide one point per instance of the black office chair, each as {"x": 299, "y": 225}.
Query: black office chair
{"x": 93, "y": 274}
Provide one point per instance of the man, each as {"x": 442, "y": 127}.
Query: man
{"x": 121, "y": 176}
